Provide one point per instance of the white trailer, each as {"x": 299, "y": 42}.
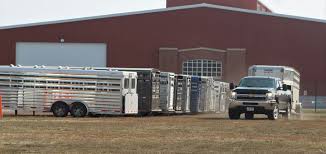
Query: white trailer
{"x": 221, "y": 89}
{"x": 167, "y": 80}
{"x": 288, "y": 75}
{"x": 62, "y": 90}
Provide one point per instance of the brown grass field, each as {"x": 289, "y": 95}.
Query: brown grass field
{"x": 212, "y": 133}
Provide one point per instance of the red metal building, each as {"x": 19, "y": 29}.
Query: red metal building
{"x": 202, "y": 39}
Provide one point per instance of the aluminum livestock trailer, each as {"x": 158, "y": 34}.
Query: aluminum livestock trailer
{"x": 221, "y": 90}
{"x": 288, "y": 75}
{"x": 62, "y": 90}
{"x": 148, "y": 89}
{"x": 182, "y": 94}
{"x": 167, "y": 81}
{"x": 195, "y": 94}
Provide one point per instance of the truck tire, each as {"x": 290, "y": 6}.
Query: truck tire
{"x": 274, "y": 114}
{"x": 249, "y": 116}
{"x": 234, "y": 115}
{"x": 287, "y": 113}
{"x": 60, "y": 109}
{"x": 78, "y": 110}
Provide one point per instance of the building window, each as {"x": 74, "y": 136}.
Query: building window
{"x": 203, "y": 67}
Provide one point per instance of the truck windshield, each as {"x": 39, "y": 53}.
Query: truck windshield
{"x": 257, "y": 82}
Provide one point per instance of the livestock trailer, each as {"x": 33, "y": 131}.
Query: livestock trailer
{"x": 195, "y": 94}
{"x": 167, "y": 80}
{"x": 221, "y": 89}
{"x": 148, "y": 89}
{"x": 182, "y": 93}
{"x": 288, "y": 75}
{"x": 62, "y": 90}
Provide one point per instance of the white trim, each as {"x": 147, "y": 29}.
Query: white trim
{"x": 203, "y": 5}
{"x": 202, "y": 48}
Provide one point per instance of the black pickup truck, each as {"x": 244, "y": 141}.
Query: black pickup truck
{"x": 260, "y": 95}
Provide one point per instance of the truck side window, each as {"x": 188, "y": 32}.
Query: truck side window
{"x": 126, "y": 83}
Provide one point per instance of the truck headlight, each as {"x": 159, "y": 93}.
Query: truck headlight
{"x": 270, "y": 96}
{"x": 234, "y": 95}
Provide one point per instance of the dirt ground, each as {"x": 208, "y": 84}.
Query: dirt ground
{"x": 212, "y": 133}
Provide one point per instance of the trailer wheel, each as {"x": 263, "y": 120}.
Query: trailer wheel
{"x": 249, "y": 116}
{"x": 78, "y": 110}
{"x": 60, "y": 109}
{"x": 273, "y": 115}
{"x": 234, "y": 115}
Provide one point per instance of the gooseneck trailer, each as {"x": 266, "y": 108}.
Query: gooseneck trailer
{"x": 62, "y": 90}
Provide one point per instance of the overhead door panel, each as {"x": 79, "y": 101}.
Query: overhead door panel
{"x": 61, "y": 54}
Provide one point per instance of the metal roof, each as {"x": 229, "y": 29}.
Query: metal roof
{"x": 203, "y": 5}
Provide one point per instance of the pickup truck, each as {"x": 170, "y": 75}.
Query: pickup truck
{"x": 260, "y": 95}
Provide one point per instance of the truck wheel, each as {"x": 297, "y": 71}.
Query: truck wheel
{"x": 78, "y": 110}
{"x": 273, "y": 115}
{"x": 287, "y": 114}
{"x": 249, "y": 116}
{"x": 60, "y": 109}
{"x": 234, "y": 115}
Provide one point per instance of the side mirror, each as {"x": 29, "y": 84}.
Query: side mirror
{"x": 285, "y": 87}
{"x": 232, "y": 86}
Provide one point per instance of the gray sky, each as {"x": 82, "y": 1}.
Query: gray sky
{"x": 13, "y": 12}
{"x": 305, "y": 8}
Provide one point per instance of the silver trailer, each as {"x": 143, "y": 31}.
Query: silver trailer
{"x": 167, "y": 80}
{"x": 211, "y": 97}
{"x": 203, "y": 104}
{"x": 62, "y": 90}
{"x": 182, "y": 94}
{"x": 195, "y": 94}
{"x": 148, "y": 89}
{"x": 289, "y": 77}
{"x": 221, "y": 89}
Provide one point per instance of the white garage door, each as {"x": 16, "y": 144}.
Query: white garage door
{"x": 61, "y": 54}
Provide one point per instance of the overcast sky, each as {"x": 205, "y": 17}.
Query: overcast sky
{"x": 13, "y": 12}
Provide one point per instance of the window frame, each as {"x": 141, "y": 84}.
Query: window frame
{"x": 202, "y": 67}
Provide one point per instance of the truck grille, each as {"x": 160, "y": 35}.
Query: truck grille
{"x": 251, "y": 98}
{"x": 251, "y": 91}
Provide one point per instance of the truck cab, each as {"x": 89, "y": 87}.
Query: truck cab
{"x": 260, "y": 95}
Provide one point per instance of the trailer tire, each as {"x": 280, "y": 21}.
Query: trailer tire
{"x": 78, "y": 110}
{"x": 287, "y": 113}
{"x": 60, "y": 109}
{"x": 249, "y": 116}
{"x": 234, "y": 115}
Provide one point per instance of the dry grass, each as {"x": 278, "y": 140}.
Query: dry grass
{"x": 173, "y": 134}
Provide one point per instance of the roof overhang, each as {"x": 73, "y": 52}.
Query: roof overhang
{"x": 195, "y": 6}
